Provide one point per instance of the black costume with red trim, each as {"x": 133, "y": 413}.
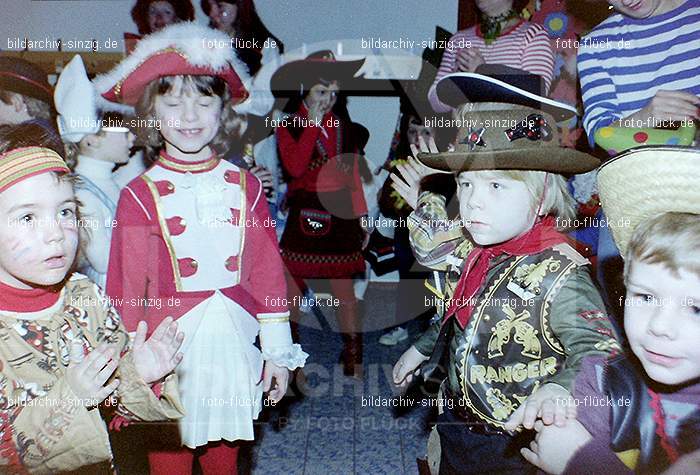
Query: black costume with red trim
{"x": 323, "y": 236}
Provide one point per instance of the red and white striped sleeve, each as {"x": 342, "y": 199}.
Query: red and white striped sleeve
{"x": 538, "y": 56}
{"x": 448, "y": 65}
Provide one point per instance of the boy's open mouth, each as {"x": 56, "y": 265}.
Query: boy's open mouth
{"x": 56, "y": 262}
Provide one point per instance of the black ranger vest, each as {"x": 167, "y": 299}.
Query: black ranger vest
{"x": 508, "y": 347}
{"x": 633, "y": 429}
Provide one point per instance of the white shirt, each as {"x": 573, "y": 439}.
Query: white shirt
{"x": 96, "y": 215}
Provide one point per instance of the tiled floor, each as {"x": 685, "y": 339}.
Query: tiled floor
{"x": 336, "y": 427}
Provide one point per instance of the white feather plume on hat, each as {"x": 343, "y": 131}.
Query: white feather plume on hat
{"x": 201, "y": 46}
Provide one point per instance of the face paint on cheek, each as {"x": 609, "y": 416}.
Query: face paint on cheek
{"x": 20, "y": 252}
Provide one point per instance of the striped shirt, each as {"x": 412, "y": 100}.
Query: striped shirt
{"x": 623, "y": 62}
{"x": 525, "y": 46}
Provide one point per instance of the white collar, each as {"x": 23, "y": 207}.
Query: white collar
{"x": 93, "y": 168}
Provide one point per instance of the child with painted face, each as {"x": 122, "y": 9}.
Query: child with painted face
{"x": 64, "y": 347}
{"x": 194, "y": 237}
{"x": 639, "y": 412}
{"x": 520, "y": 311}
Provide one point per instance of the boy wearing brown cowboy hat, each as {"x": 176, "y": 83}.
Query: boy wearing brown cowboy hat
{"x": 520, "y": 311}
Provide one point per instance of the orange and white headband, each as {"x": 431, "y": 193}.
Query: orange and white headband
{"x": 22, "y": 163}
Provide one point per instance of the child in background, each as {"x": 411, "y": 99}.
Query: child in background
{"x": 64, "y": 349}
{"x": 521, "y": 309}
{"x": 93, "y": 147}
{"x": 636, "y": 81}
{"x": 650, "y": 198}
{"x": 640, "y": 68}
{"x": 27, "y": 97}
{"x": 193, "y": 233}
{"x": 502, "y": 37}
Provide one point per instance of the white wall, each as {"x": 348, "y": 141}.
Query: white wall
{"x": 293, "y": 21}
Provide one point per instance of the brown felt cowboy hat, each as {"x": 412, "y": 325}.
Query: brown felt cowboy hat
{"x": 497, "y": 136}
{"x": 296, "y": 77}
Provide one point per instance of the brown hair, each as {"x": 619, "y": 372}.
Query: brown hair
{"x": 73, "y": 149}
{"x": 671, "y": 239}
{"x": 183, "y": 10}
{"x": 231, "y": 127}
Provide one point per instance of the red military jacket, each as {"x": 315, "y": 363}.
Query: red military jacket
{"x": 186, "y": 229}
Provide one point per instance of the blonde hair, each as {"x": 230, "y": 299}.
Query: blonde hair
{"x": 548, "y": 192}
{"x": 231, "y": 127}
{"x": 671, "y": 239}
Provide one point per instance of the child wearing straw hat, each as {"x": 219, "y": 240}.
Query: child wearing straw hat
{"x": 64, "y": 349}
{"x": 520, "y": 309}
{"x": 651, "y": 394}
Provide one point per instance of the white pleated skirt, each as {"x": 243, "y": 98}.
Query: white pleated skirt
{"x": 221, "y": 373}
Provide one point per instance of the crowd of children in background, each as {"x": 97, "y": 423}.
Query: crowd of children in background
{"x": 112, "y": 310}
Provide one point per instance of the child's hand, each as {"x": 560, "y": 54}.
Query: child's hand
{"x": 265, "y": 177}
{"x": 407, "y": 367}
{"x": 316, "y": 113}
{"x": 87, "y": 376}
{"x": 554, "y": 446}
{"x": 551, "y": 403}
{"x": 156, "y": 357}
{"x": 407, "y": 181}
{"x": 468, "y": 59}
{"x": 670, "y": 106}
{"x": 281, "y": 376}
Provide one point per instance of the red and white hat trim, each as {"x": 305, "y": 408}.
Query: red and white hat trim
{"x": 184, "y": 48}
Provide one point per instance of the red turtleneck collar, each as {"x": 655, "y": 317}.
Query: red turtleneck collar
{"x": 27, "y": 300}
{"x": 171, "y": 163}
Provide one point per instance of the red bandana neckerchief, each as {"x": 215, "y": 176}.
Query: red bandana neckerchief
{"x": 13, "y": 299}
{"x": 543, "y": 235}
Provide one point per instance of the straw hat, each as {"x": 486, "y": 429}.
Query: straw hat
{"x": 647, "y": 181}
{"x": 509, "y": 137}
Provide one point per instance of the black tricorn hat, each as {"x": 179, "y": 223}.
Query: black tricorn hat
{"x": 299, "y": 76}
{"x": 498, "y": 83}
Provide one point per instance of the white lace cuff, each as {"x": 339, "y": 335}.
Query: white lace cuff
{"x": 291, "y": 357}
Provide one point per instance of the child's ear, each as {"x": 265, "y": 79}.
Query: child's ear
{"x": 91, "y": 141}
